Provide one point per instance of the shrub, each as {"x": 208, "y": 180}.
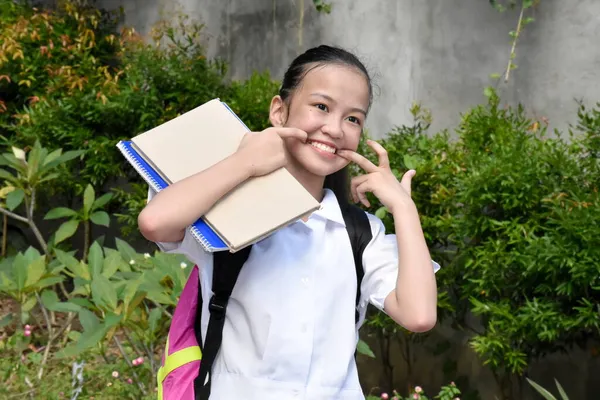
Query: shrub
{"x": 514, "y": 216}
{"x": 68, "y": 79}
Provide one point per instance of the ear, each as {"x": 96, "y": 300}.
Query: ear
{"x": 277, "y": 111}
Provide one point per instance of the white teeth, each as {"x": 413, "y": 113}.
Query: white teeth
{"x": 323, "y": 147}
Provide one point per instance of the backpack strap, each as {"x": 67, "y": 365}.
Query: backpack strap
{"x": 359, "y": 230}
{"x": 226, "y": 269}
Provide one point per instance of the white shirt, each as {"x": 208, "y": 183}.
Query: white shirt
{"x": 290, "y": 328}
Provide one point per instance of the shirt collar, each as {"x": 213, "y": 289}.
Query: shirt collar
{"x": 330, "y": 208}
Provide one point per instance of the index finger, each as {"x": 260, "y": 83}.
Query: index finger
{"x": 358, "y": 159}
{"x": 292, "y": 133}
{"x": 381, "y": 152}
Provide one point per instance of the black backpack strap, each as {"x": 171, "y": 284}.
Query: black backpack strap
{"x": 359, "y": 230}
{"x": 226, "y": 269}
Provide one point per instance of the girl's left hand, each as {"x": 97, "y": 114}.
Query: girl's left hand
{"x": 379, "y": 180}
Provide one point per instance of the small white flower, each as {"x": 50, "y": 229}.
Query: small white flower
{"x": 146, "y": 255}
{"x": 132, "y": 262}
{"x": 183, "y": 265}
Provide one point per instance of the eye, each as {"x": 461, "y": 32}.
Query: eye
{"x": 354, "y": 120}
{"x": 321, "y": 107}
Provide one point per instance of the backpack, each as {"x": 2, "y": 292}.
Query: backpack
{"x": 185, "y": 369}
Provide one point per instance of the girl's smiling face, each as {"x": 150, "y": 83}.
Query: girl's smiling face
{"x": 330, "y": 104}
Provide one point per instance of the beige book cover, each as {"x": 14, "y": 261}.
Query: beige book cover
{"x": 200, "y": 138}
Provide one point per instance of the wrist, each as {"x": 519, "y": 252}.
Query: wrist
{"x": 402, "y": 207}
{"x": 242, "y": 164}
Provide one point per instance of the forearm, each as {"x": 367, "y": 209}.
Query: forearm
{"x": 413, "y": 303}
{"x": 171, "y": 210}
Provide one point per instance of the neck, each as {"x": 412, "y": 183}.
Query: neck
{"x": 312, "y": 183}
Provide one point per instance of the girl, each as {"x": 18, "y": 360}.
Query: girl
{"x": 290, "y": 330}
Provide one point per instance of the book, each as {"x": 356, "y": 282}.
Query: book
{"x": 195, "y": 141}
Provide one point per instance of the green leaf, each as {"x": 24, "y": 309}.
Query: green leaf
{"x": 95, "y": 260}
{"x": 411, "y": 162}
{"x": 60, "y": 212}
{"x": 88, "y": 199}
{"x": 66, "y": 230}
{"x": 52, "y": 156}
{"x": 562, "y": 392}
{"x": 364, "y": 349}
{"x": 88, "y": 320}
{"x": 53, "y": 280}
{"x": 381, "y": 212}
{"x": 153, "y": 319}
{"x": 546, "y": 394}
{"x": 29, "y": 304}
{"x": 104, "y": 293}
{"x": 14, "y": 199}
{"x": 488, "y": 92}
{"x": 100, "y": 218}
{"x": 6, "y": 320}
{"x": 68, "y": 156}
{"x": 4, "y": 174}
{"x": 102, "y": 201}
{"x": 20, "y": 271}
{"x": 51, "y": 301}
{"x": 76, "y": 267}
{"x": 35, "y": 271}
{"x": 127, "y": 252}
{"x": 112, "y": 261}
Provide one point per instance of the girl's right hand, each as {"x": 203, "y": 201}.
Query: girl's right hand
{"x": 264, "y": 152}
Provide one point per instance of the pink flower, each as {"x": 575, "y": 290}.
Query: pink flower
{"x": 452, "y": 384}
{"x": 385, "y": 396}
{"x": 129, "y": 380}
{"x": 27, "y": 332}
{"x": 115, "y": 374}
{"x": 27, "y": 327}
{"x": 140, "y": 360}
{"x": 135, "y": 362}
{"x": 416, "y": 396}
{"x": 418, "y": 389}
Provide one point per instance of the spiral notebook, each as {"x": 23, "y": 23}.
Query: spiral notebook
{"x": 195, "y": 141}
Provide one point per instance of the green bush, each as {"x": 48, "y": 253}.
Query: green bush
{"x": 70, "y": 80}
{"x": 512, "y": 214}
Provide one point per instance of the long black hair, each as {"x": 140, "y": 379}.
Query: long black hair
{"x": 322, "y": 55}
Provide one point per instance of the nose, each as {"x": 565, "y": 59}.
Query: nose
{"x": 333, "y": 128}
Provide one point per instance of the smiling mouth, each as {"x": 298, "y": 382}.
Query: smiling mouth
{"x": 322, "y": 147}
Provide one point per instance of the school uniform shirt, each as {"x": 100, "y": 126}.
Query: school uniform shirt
{"x": 290, "y": 329}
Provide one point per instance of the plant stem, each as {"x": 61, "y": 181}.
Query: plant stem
{"x": 514, "y": 44}
{"x": 86, "y": 239}
{"x": 128, "y": 361}
{"x": 51, "y": 340}
{"x": 164, "y": 310}
{"x": 4, "y": 234}
{"x": 45, "y": 314}
{"x": 13, "y": 215}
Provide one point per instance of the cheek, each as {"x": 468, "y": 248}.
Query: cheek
{"x": 308, "y": 120}
{"x": 352, "y": 139}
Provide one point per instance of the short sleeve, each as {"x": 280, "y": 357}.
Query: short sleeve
{"x": 188, "y": 246}
{"x": 380, "y": 263}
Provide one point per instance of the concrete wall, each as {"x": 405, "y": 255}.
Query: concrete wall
{"x": 438, "y": 52}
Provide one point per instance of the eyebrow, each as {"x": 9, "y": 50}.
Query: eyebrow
{"x": 327, "y": 97}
